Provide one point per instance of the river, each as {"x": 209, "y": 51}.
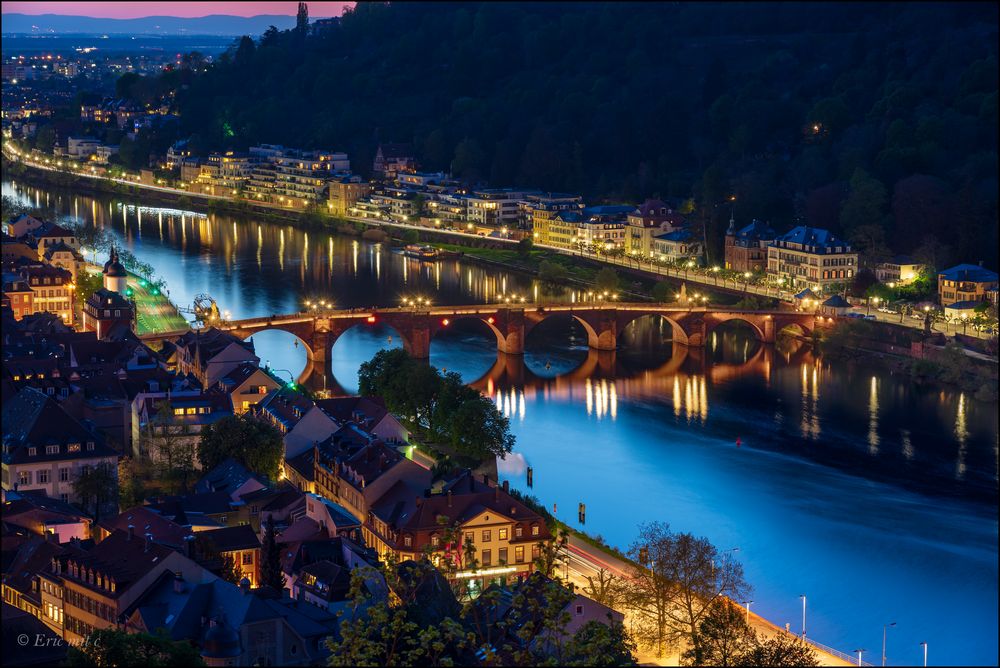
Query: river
{"x": 873, "y": 497}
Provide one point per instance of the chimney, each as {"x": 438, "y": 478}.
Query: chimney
{"x": 131, "y": 531}
{"x": 449, "y": 498}
{"x": 149, "y": 542}
{"x": 506, "y": 486}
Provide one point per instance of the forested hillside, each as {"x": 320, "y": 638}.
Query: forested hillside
{"x": 878, "y": 121}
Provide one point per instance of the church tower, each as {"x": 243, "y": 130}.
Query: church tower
{"x": 115, "y": 276}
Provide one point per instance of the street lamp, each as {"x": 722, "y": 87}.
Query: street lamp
{"x": 873, "y": 299}
{"x": 747, "y": 603}
{"x": 715, "y": 270}
{"x": 885, "y": 628}
{"x": 924, "y": 645}
{"x": 860, "y": 652}
{"x": 803, "y": 597}
{"x": 965, "y": 322}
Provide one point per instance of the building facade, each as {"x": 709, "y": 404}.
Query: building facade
{"x": 813, "y": 257}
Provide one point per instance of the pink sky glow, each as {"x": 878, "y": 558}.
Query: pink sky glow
{"x": 131, "y": 10}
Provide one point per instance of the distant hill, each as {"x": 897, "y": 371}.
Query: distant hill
{"x": 216, "y": 24}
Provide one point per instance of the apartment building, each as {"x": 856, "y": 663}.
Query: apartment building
{"x": 746, "y": 248}
{"x": 807, "y": 256}
{"x": 539, "y": 214}
{"x": 52, "y": 290}
{"x": 653, "y": 217}
{"x": 966, "y": 283}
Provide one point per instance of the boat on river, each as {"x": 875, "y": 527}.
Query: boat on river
{"x": 428, "y": 253}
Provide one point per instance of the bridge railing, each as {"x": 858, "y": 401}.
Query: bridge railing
{"x": 837, "y": 653}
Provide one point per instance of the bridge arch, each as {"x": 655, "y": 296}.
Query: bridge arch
{"x": 594, "y": 339}
{"x": 443, "y": 323}
{"x": 677, "y": 333}
{"x": 794, "y": 326}
{"x": 721, "y": 319}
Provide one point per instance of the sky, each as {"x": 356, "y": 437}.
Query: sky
{"x": 131, "y": 10}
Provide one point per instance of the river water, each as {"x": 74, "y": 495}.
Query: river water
{"x": 873, "y": 497}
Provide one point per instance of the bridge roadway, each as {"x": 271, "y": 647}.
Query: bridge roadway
{"x": 511, "y": 323}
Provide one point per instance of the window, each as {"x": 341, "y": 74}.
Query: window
{"x": 178, "y": 411}
{"x": 487, "y": 557}
{"x": 43, "y": 477}
{"x": 407, "y": 541}
{"x": 435, "y": 541}
{"x": 32, "y": 452}
{"x": 73, "y": 447}
{"x": 470, "y": 537}
{"x": 64, "y": 497}
{"x": 24, "y": 477}
{"x": 503, "y": 534}
{"x": 192, "y": 411}
{"x": 90, "y": 445}
{"x": 535, "y": 552}
{"x": 534, "y": 530}
{"x": 487, "y": 535}
{"x": 518, "y": 531}
{"x": 579, "y": 609}
{"x": 248, "y": 558}
{"x": 519, "y": 554}
{"x": 502, "y": 556}
{"x": 64, "y": 475}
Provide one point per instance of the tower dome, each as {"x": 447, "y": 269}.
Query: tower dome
{"x": 115, "y": 276}
{"x": 221, "y": 645}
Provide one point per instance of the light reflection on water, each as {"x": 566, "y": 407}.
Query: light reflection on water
{"x": 869, "y": 494}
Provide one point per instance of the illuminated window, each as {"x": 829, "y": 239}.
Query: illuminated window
{"x": 503, "y": 534}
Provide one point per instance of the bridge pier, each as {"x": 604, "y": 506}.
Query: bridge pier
{"x": 417, "y": 342}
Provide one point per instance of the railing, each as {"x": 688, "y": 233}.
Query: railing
{"x": 837, "y": 653}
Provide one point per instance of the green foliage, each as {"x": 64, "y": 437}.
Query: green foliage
{"x": 607, "y": 280}
{"x": 97, "y": 489}
{"x": 781, "y": 649}
{"x": 451, "y": 411}
{"x": 230, "y": 571}
{"x": 108, "y": 648}
{"x": 525, "y": 245}
{"x": 411, "y": 236}
{"x": 87, "y": 284}
{"x": 742, "y": 112}
{"x": 662, "y": 292}
{"x": 271, "y": 574}
{"x": 552, "y": 272}
{"x": 256, "y": 445}
{"x": 600, "y": 644}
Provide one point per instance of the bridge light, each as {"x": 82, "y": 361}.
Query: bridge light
{"x": 490, "y": 320}
{"x": 371, "y": 319}
{"x": 446, "y": 322}
{"x": 290, "y": 386}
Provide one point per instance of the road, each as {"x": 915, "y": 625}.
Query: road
{"x": 583, "y": 559}
{"x": 707, "y": 278}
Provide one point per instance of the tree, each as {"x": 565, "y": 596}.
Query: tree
{"x": 600, "y": 644}
{"x": 107, "y": 648}
{"x": 662, "y": 291}
{"x": 479, "y": 430}
{"x": 524, "y": 246}
{"x": 256, "y": 445}
{"x": 271, "y": 574}
{"x": 781, "y": 649}
{"x": 87, "y": 284}
{"x": 606, "y": 280}
{"x": 605, "y": 588}
{"x": 230, "y": 571}
{"x": 551, "y": 555}
{"x": 677, "y": 579}
{"x": 411, "y": 236}
{"x": 865, "y": 203}
{"x": 552, "y": 272}
{"x": 131, "y": 491}
{"x": 97, "y": 488}
{"x": 170, "y": 448}
{"x": 725, "y": 637}
{"x": 379, "y": 633}
{"x": 302, "y": 19}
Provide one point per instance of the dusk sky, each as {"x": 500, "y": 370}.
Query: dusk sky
{"x": 131, "y": 10}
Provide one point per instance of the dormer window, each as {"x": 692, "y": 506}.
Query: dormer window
{"x": 73, "y": 447}
{"x": 51, "y": 449}
{"x": 32, "y": 452}
{"x": 407, "y": 541}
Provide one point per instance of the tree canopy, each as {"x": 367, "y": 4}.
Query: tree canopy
{"x": 785, "y": 106}
{"x": 256, "y": 445}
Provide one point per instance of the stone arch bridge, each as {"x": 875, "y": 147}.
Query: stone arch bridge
{"x": 511, "y": 324}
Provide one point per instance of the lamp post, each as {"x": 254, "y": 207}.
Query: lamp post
{"x": 715, "y": 270}
{"x": 746, "y": 281}
{"x": 924, "y": 645}
{"x": 885, "y": 628}
{"x": 965, "y": 322}
{"x": 860, "y": 652}
{"x": 873, "y": 299}
{"x": 747, "y": 603}
{"x": 803, "y": 597}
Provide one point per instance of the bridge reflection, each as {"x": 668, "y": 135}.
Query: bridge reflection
{"x": 603, "y": 377}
